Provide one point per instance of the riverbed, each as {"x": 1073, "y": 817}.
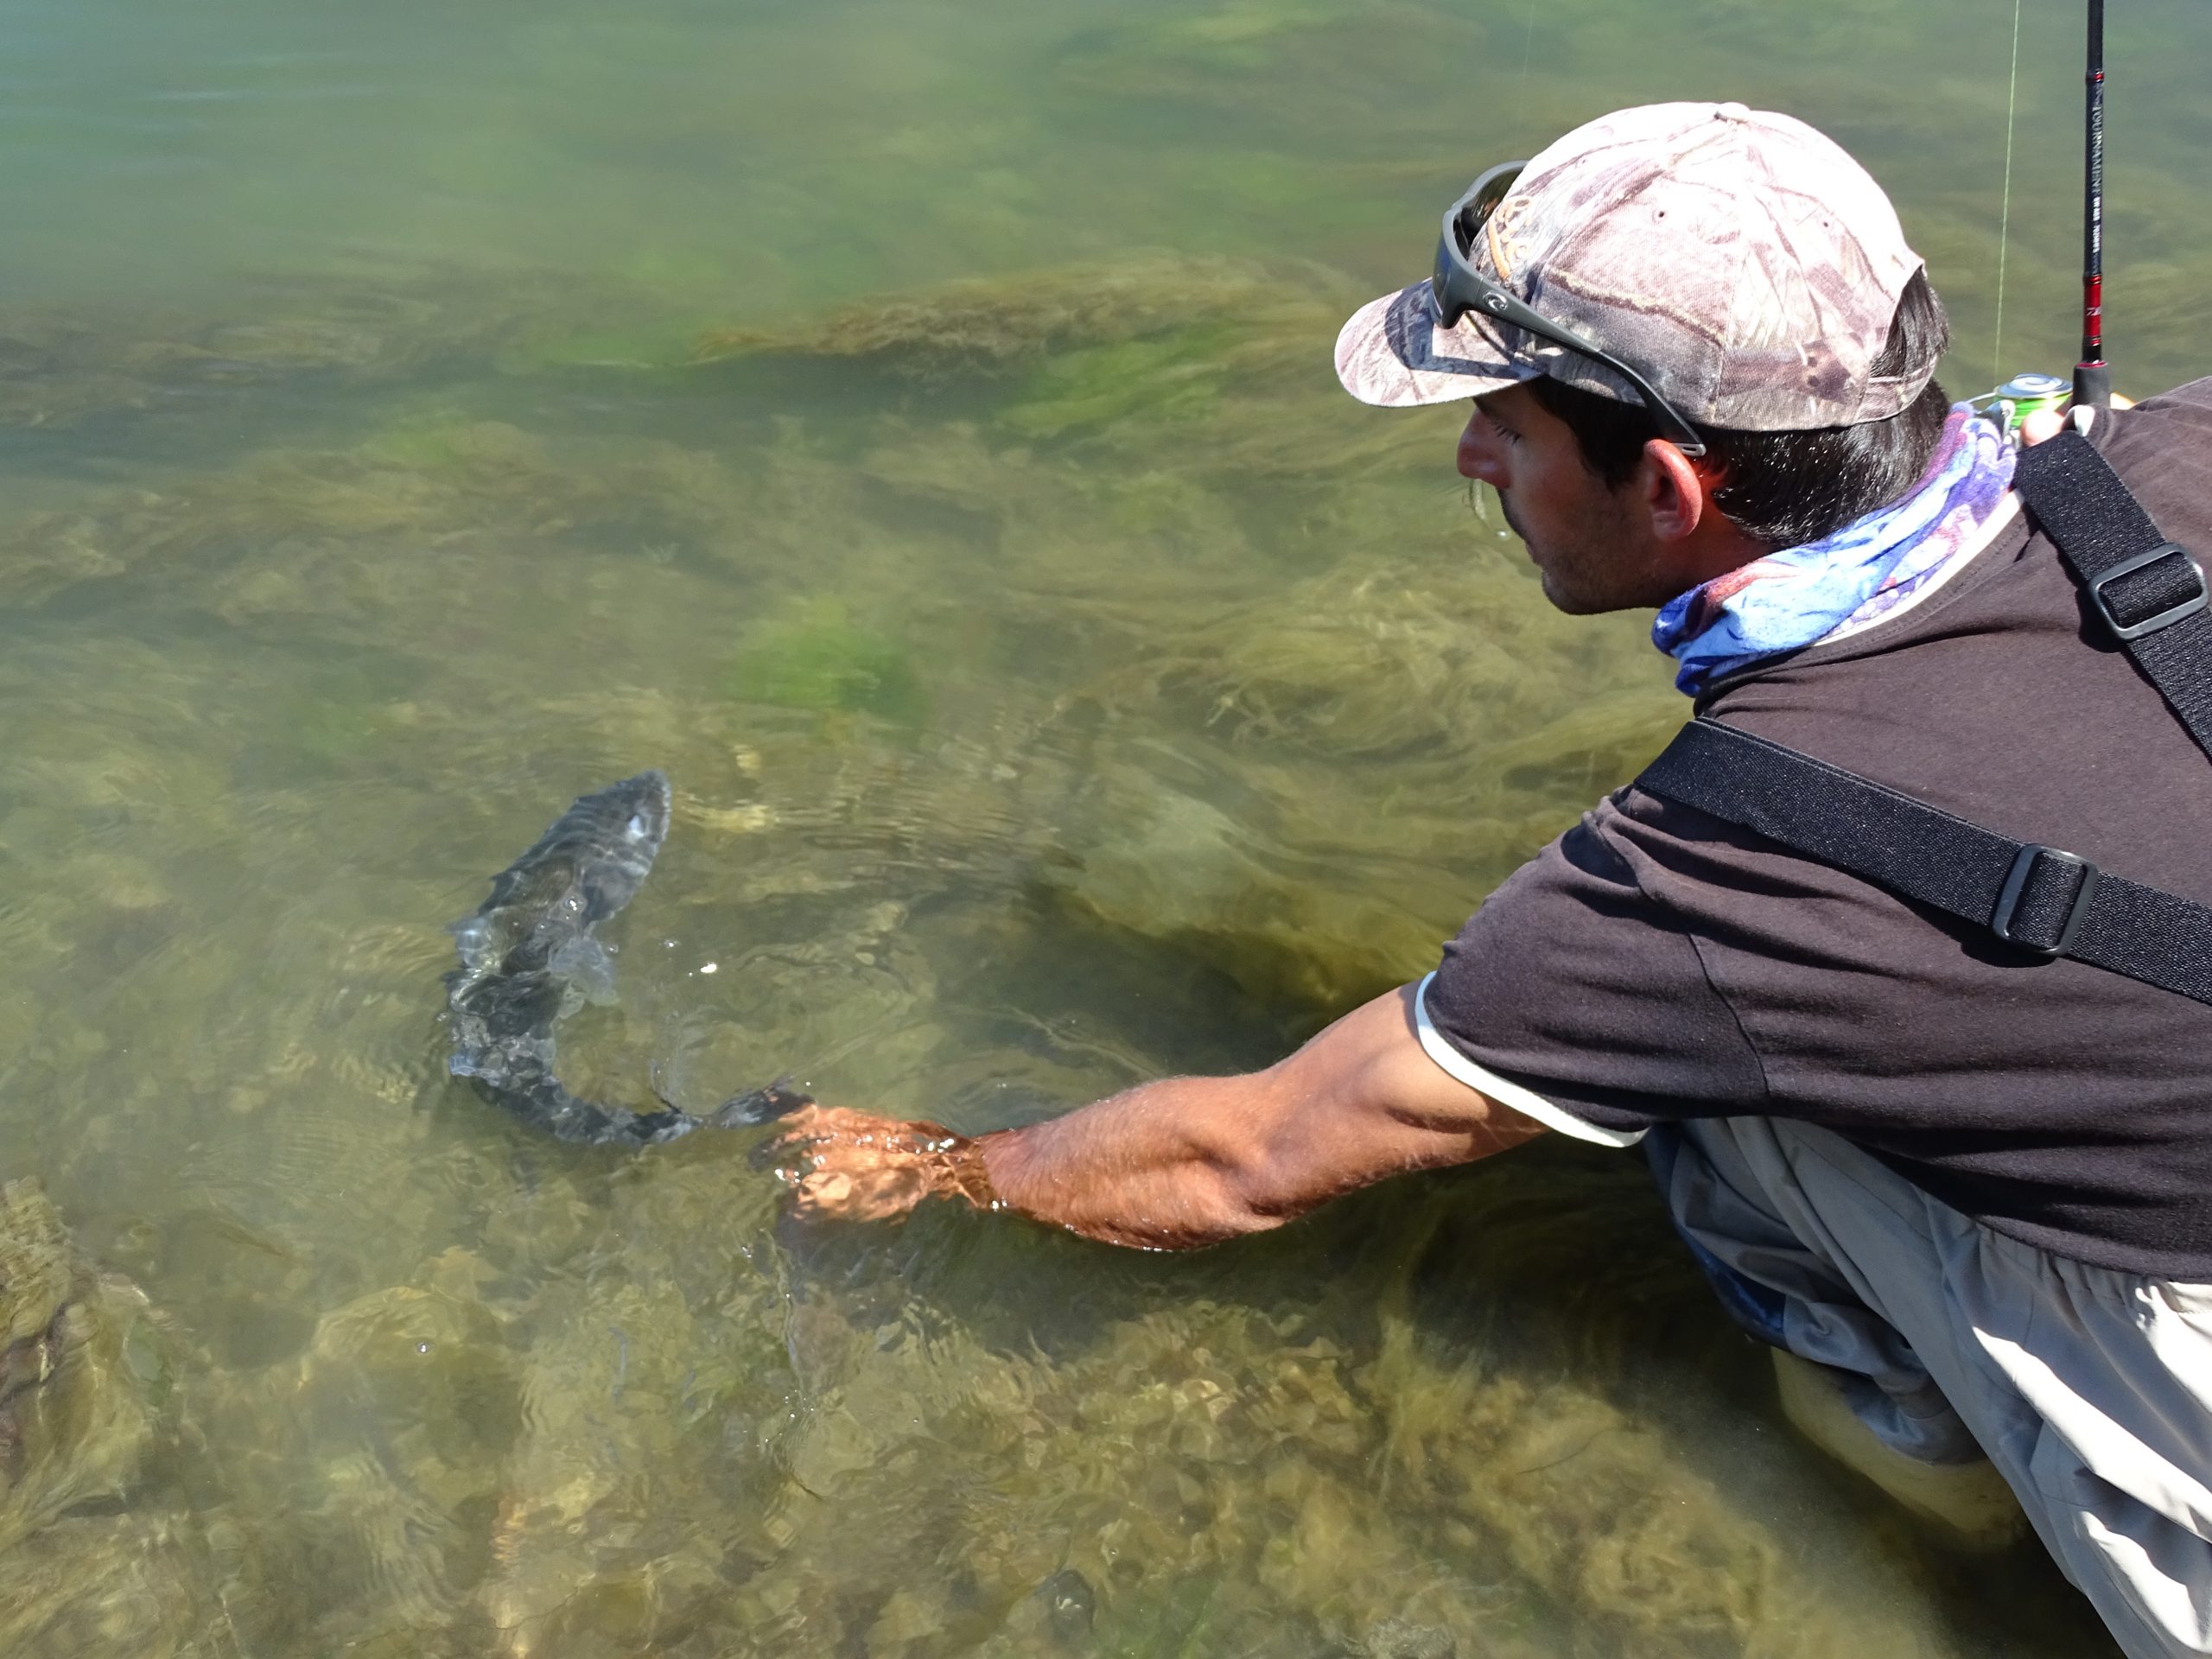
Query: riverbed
{"x": 912, "y": 428}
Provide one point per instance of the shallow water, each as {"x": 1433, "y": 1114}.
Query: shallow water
{"x": 911, "y": 427}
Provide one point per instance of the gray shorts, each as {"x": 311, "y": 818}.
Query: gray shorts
{"x": 2089, "y": 1390}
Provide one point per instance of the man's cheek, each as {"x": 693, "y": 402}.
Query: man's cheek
{"x": 1512, "y": 522}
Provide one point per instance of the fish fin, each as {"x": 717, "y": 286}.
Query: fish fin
{"x": 584, "y": 962}
{"x": 757, "y": 1106}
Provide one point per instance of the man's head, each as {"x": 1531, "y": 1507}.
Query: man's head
{"x": 1749, "y": 271}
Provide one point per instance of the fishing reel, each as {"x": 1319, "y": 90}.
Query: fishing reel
{"x": 2020, "y": 397}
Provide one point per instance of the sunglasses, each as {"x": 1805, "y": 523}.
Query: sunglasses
{"x": 1458, "y": 287}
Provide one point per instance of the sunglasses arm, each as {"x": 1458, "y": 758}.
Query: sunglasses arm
{"x": 1677, "y": 430}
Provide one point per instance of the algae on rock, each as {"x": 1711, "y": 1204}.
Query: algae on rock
{"x": 988, "y": 325}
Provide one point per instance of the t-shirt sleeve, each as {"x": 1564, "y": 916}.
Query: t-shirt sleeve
{"x": 1572, "y": 986}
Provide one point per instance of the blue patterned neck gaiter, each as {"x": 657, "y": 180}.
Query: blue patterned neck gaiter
{"x": 1793, "y": 598}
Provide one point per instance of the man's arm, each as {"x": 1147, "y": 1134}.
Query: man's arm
{"x": 1183, "y": 1162}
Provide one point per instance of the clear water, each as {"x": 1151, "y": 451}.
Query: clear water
{"x": 911, "y": 426}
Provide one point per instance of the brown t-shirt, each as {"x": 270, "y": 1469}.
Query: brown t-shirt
{"x": 1654, "y": 963}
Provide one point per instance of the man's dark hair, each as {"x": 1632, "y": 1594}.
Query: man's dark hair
{"x": 1787, "y": 488}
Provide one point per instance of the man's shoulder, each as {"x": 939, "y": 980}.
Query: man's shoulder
{"x": 2161, "y": 440}
{"x": 2189, "y": 395}
{"x": 1999, "y": 702}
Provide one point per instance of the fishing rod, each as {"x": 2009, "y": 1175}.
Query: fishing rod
{"x": 2024, "y": 394}
{"x": 2092, "y": 376}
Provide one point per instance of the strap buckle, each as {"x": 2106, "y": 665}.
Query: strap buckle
{"x": 2016, "y": 883}
{"x": 2171, "y": 614}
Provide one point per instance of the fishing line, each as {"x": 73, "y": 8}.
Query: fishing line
{"x": 2005, "y": 211}
{"x": 1528, "y": 48}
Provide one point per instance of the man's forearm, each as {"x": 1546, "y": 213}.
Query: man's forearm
{"x": 1195, "y": 1160}
{"x": 1161, "y": 1166}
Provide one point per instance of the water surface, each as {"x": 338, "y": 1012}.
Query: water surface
{"x": 912, "y": 428}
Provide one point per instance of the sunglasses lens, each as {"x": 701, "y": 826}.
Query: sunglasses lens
{"x": 1465, "y": 227}
{"x": 1458, "y": 288}
{"x": 1488, "y": 193}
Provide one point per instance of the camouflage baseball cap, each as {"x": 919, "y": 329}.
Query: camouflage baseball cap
{"x": 1741, "y": 261}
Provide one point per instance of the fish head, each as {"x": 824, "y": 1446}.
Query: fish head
{"x": 587, "y": 865}
{"x": 620, "y": 829}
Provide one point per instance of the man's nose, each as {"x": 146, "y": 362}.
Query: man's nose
{"x": 1479, "y": 457}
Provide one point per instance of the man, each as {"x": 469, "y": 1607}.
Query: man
{"x": 1969, "y": 1192}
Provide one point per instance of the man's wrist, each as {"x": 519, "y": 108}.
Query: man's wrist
{"x": 995, "y": 1161}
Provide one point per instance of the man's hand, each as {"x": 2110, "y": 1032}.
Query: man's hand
{"x": 848, "y": 1165}
{"x": 2050, "y": 422}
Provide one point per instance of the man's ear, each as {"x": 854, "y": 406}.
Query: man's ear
{"x": 1673, "y": 492}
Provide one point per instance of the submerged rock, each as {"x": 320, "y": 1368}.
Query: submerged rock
{"x": 80, "y": 1373}
{"x": 96, "y": 1558}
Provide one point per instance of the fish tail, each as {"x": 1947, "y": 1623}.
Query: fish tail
{"x": 540, "y": 1101}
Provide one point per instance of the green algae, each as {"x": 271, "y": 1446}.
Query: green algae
{"x": 62, "y": 367}
{"x": 1173, "y": 380}
{"x": 813, "y": 656}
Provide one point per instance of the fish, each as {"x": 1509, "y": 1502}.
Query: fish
{"x": 530, "y": 957}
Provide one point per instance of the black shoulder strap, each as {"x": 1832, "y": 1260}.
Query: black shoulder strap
{"x": 2040, "y": 900}
{"x": 2149, "y": 591}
